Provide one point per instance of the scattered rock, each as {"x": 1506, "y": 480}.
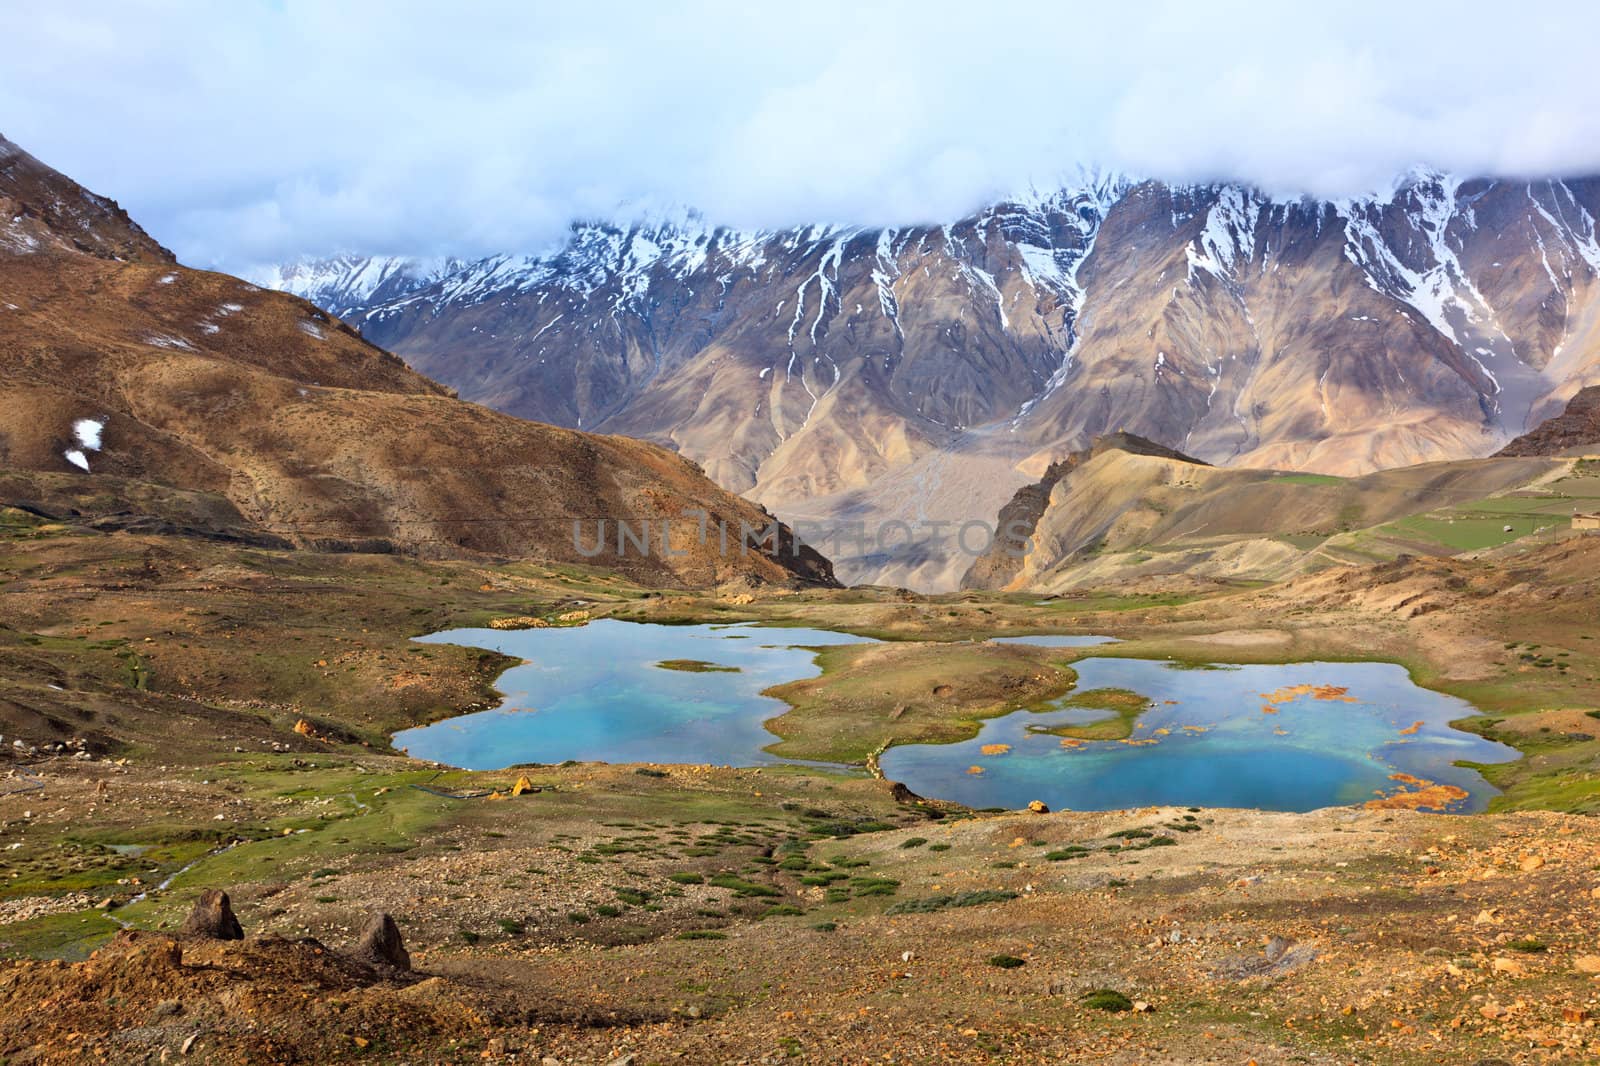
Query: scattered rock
{"x": 213, "y": 918}
{"x": 1587, "y": 964}
{"x": 381, "y": 946}
{"x": 1038, "y": 807}
{"x": 1278, "y": 956}
{"x": 167, "y": 1008}
{"x": 519, "y": 622}
{"x": 902, "y": 794}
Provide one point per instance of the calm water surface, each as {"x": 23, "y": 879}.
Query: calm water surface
{"x": 597, "y": 693}
{"x": 1207, "y": 742}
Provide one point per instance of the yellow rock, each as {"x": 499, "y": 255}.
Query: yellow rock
{"x": 1587, "y": 964}
{"x": 522, "y": 785}
{"x": 1531, "y": 863}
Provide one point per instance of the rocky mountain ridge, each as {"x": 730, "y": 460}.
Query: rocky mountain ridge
{"x": 823, "y": 370}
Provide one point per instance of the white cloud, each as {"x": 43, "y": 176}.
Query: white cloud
{"x": 262, "y": 130}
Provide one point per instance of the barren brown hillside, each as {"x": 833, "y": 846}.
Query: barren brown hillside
{"x": 115, "y": 360}
{"x": 1576, "y": 428}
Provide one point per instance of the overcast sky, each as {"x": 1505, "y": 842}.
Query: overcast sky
{"x": 251, "y": 131}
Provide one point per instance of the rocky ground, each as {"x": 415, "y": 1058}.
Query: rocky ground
{"x": 198, "y": 716}
{"x": 1222, "y": 936}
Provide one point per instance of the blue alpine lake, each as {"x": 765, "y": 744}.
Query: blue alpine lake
{"x": 1275, "y": 737}
{"x": 597, "y": 693}
{"x": 1292, "y": 737}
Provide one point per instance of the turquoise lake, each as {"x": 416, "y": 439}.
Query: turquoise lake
{"x": 1206, "y": 742}
{"x": 597, "y": 693}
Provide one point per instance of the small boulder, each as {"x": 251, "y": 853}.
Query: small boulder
{"x": 380, "y": 945}
{"x": 1038, "y": 807}
{"x": 213, "y": 918}
{"x": 902, "y": 794}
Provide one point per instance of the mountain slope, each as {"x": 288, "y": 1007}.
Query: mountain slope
{"x": 1125, "y": 513}
{"x": 819, "y": 370}
{"x": 115, "y": 360}
{"x": 1019, "y": 519}
{"x": 1573, "y": 430}
{"x": 41, "y": 209}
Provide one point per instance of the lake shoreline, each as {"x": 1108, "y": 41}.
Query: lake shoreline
{"x": 1010, "y": 724}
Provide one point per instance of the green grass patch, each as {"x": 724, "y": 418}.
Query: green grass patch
{"x": 928, "y": 904}
{"x": 742, "y": 888}
{"x": 1125, "y": 704}
{"x": 696, "y": 666}
{"x": 1106, "y": 999}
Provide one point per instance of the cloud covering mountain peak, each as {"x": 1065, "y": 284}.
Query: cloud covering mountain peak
{"x": 387, "y": 128}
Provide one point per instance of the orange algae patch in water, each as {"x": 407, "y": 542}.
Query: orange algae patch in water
{"x": 1267, "y": 708}
{"x": 1072, "y": 742}
{"x": 974, "y": 769}
{"x": 1331, "y": 693}
{"x": 1413, "y": 728}
{"x": 1422, "y": 795}
{"x": 995, "y": 749}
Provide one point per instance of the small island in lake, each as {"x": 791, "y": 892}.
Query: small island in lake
{"x": 696, "y": 666}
